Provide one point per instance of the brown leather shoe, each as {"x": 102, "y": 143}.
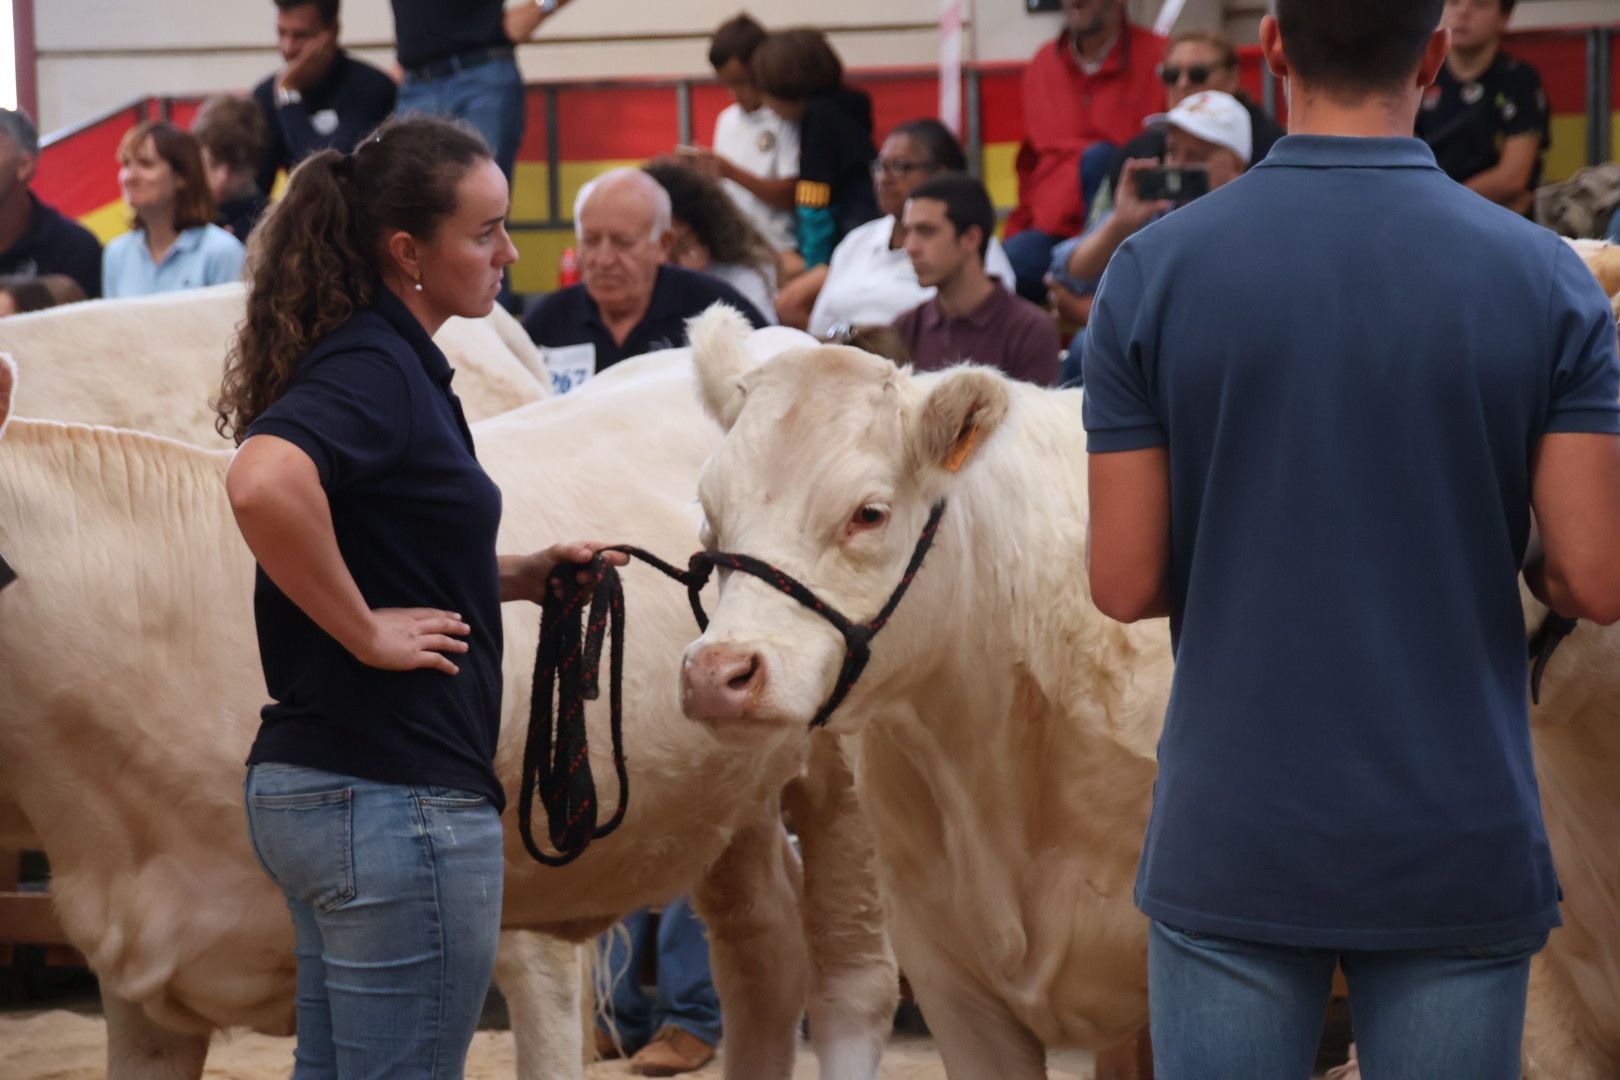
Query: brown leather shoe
{"x": 606, "y": 1048}
{"x": 673, "y": 1051}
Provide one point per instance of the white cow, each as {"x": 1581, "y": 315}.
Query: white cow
{"x": 154, "y": 363}
{"x": 130, "y": 689}
{"x": 1006, "y": 728}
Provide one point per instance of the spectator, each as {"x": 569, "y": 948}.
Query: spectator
{"x": 713, "y": 235}
{"x": 174, "y": 243}
{"x": 1085, "y": 94}
{"x": 1196, "y": 60}
{"x": 677, "y": 1029}
{"x": 756, "y": 152}
{"x": 1486, "y": 116}
{"x": 802, "y": 80}
{"x": 630, "y": 301}
{"x": 34, "y": 238}
{"x": 458, "y": 62}
{"x": 1323, "y": 407}
{"x": 19, "y": 295}
{"x": 321, "y": 97}
{"x": 869, "y": 279}
{"x": 876, "y": 338}
{"x": 1210, "y": 131}
{"x": 233, "y": 137}
{"x": 948, "y": 221}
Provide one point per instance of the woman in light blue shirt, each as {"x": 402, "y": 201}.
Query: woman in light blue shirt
{"x": 174, "y": 243}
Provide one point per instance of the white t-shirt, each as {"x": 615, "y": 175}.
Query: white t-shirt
{"x": 762, "y": 143}
{"x": 868, "y": 283}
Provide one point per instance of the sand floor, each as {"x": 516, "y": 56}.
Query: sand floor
{"x": 62, "y": 1045}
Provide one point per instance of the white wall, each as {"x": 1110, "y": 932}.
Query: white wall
{"x": 95, "y": 54}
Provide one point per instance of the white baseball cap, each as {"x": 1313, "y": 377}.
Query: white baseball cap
{"x": 1216, "y": 117}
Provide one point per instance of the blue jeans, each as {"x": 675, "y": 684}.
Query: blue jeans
{"x": 1228, "y": 1008}
{"x": 685, "y": 998}
{"x": 1096, "y": 161}
{"x": 489, "y": 97}
{"x": 395, "y": 894}
{"x": 1030, "y": 253}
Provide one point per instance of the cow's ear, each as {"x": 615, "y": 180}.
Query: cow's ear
{"x": 720, "y": 354}
{"x": 8, "y": 389}
{"x": 959, "y": 414}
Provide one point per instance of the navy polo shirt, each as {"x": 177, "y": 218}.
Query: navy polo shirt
{"x": 1350, "y": 360}
{"x": 570, "y": 317}
{"x": 53, "y": 244}
{"x": 416, "y": 519}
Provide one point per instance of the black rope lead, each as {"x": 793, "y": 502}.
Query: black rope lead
{"x": 567, "y": 665}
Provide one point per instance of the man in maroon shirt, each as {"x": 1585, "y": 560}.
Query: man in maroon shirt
{"x": 1091, "y": 87}
{"x": 948, "y": 222}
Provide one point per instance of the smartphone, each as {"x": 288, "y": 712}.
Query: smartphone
{"x": 1177, "y": 185}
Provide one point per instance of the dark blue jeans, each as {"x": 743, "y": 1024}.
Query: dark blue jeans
{"x": 395, "y": 894}
{"x": 488, "y": 97}
{"x": 685, "y": 999}
{"x": 1228, "y": 1008}
{"x": 1030, "y": 252}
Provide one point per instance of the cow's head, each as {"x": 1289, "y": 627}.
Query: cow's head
{"x": 831, "y": 463}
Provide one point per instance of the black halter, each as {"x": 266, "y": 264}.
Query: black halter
{"x": 556, "y": 755}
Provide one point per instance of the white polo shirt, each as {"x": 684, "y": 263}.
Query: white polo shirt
{"x": 762, "y": 143}
{"x": 869, "y": 283}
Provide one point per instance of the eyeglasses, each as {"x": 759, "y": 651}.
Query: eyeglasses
{"x": 1197, "y": 74}
{"x": 893, "y": 167}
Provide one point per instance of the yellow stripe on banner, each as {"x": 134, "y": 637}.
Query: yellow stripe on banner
{"x": 1000, "y": 175}
{"x": 539, "y": 256}
{"x": 1568, "y": 150}
{"x": 107, "y": 221}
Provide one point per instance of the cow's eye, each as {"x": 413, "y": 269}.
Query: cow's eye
{"x": 870, "y": 516}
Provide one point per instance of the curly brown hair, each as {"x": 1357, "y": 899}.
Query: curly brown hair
{"x": 317, "y": 256}
{"x": 702, "y": 205}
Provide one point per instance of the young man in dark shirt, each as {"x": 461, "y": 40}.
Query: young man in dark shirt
{"x": 1329, "y": 491}
{"x": 949, "y": 221}
{"x": 321, "y": 97}
{"x": 630, "y": 300}
{"x": 1486, "y": 115}
{"x": 35, "y": 239}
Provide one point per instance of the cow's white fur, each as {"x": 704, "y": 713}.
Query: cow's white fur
{"x": 91, "y": 362}
{"x": 1007, "y": 730}
{"x": 131, "y": 685}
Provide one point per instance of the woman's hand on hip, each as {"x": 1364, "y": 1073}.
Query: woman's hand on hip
{"x": 405, "y": 639}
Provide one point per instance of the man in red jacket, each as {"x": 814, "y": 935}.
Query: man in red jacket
{"x": 1091, "y": 87}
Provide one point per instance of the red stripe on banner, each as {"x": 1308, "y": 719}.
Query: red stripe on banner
{"x": 533, "y": 146}
{"x": 182, "y": 113}
{"x": 894, "y": 101}
{"x": 80, "y": 174}
{"x": 605, "y": 123}
{"x": 1560, "y": 59}
{"x": 709, "y": 100}
{"x": 1001, "y": 107}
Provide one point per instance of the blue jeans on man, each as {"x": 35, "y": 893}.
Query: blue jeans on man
{"x": 488, "y": 96}
{"x": 685, "y": 996}
{"x": 395, "y": 893}
{"x": 1222, "y": 1007}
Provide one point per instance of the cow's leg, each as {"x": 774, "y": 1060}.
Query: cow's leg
{"x": 750, "y": 899}
{"x": 539, "y": 976}
{"x": 976, "y": 1035}
{"x": 139, "y": 1049}
{"x": 854, "y": 986}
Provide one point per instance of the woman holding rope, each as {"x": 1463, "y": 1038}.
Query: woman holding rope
{"x": 371, "y": 794}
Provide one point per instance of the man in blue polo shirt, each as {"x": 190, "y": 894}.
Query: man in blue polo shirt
{"x": 1322, "y": 467}
{"x": 631, "y": 300}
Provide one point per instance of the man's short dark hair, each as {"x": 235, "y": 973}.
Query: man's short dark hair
{"x": 966, "y": 201}
{"x": 736, "y": 39}
{"x": 1353, "y": 48}
{"x": 326, "y": 9}
{"x": 17, "y": 126}
{"x": 797, "y": 65}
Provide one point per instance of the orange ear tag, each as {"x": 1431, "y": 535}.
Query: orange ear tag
{"x": 964, "y": 447}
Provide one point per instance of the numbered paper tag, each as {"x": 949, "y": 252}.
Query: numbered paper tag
{"x": 570, "y": 365}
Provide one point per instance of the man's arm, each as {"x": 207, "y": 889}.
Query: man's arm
{"x": 1576, "y": 494}
{"x": 1508, "y": 181}
{"x": 1128, "y": 536}
{"x": 521, "y": 21}
{"x": 1090, "y": 257}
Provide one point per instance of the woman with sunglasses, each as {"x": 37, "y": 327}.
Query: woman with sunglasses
{"x": 870, "y": 279}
